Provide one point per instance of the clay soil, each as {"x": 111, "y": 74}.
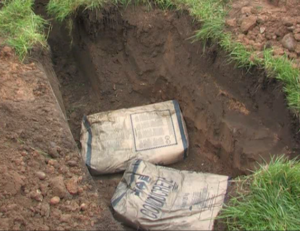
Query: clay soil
{"x": 262, "y": 24}
{"x": 119, "y": 59}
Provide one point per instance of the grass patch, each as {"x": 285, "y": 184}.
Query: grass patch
{"x": 61, "y": 9}
{"x": 268, "y": 199}
{"x": 20, "y": 27}
{"x": 64, "y": 9}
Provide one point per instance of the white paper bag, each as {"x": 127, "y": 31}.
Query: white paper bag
{"x": 152, "y": 197}
{"x": 155, "y": 133}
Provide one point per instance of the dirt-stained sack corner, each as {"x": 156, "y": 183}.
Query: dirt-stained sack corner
{"x": 155, "y": 133}
{"x": 152, "y": 197}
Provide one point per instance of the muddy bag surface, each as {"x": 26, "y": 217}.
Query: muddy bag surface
{"x": 153, "y": 197}
{"x": 155, "y": 133}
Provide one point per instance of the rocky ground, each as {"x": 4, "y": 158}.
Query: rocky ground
{"x": 267, "y": 24}
{"x": 43, "y": 183}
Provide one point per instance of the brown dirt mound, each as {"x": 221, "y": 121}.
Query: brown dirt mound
{"x": 39, "y": 159}
{"x": 267, "y": 24}
{"x": 136, "y": 57}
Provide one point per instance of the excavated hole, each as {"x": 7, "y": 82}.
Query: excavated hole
{"x": 120, "y": 59}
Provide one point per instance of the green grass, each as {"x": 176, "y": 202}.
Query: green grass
{"x": 64, "y": 9}
{"x": 61, "y": 9}
{"x": 20, "y": 27}
{"x": 268, "y": 199}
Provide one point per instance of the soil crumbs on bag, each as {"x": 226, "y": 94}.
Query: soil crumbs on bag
{"x": 43, "y": 183}
{"x": 267, "y": 24}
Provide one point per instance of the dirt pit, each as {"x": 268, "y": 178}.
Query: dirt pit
{"x": 126, "y": 58}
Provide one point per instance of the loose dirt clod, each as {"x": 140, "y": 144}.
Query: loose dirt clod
{"x": 72, "y": 186}
{"x": 248, "y": 23}
{"x": 58, "y": 187}
{"x": 288, "y": 41}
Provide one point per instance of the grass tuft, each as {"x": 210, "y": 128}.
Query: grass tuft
{"x": 268, "y": 199}
{"x": 61, "y": 9}
{"x": 20, "y": 27}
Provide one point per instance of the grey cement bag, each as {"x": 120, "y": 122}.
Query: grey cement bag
{"x": 155, "y": 133}
{"x": 152, "y": 197}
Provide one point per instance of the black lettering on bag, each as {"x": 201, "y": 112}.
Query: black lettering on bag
{"x": 148, "y": 213}
{"x": 155, "y": 201}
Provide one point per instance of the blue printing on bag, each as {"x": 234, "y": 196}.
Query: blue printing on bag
{"x": 135, "y": 168}
{"x": 89, "y": 141}
{"x": 180, "y": 123}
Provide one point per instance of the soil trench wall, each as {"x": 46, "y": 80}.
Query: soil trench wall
{"x": 132, "y": 57}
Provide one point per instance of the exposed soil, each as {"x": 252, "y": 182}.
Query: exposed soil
{"x": 267, "y": 24}
{"x": 120, "y": 59}
{"x": 39, "y": 159}
{"x": 132, "y": 57}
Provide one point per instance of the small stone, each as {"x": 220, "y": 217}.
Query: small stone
{"x": 52, "y": 152}
{"x": 72, "y": 186}
{"x": 58, "y": 187}
{"x": 289, "y": 42}
{"x": 262, "y": 29}
{"x": 83, "y": 207}
{"x": 54, "y": 200}
{"x": 274, "y": 37}
{"x": 248, "y": 23}
{"x": 41, "y": 175}
{"x": 72, "y": 163}
{"x": 231, "y": 22}
{"x": 37, "y": 195}
{"x": 297, "y": 37}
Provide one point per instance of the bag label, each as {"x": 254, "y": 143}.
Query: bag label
{"x": 153, "y": 129}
